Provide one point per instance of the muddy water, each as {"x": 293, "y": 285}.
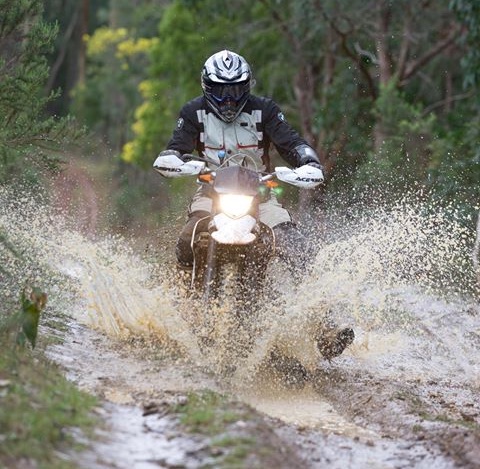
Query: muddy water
{"x": 401, "y": 278}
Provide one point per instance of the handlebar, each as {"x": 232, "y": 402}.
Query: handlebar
{"x": 224, "y": 160}
{"x": 171, "y": 165}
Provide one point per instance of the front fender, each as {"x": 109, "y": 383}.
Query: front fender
{"x": 234, "y": 231}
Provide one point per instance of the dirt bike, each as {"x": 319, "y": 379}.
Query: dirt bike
{"x": 232, "y": 247}
{"x": 236, "y": 247}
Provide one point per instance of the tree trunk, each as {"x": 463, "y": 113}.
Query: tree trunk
{"x": 62, "y": 53}
{"x": 328, "y": 75}
{"x": 82, "y": 55}
{"x": 384, "y": 60}
{"x": 384, "y": 64}
{"x": 304, "y": 88}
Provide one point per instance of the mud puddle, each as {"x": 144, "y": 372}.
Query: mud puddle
{"x": 140, "y": 386}
{"x": 405, "y": 394}
{"x": 345, "y": 416}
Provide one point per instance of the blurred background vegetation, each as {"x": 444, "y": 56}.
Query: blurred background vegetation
{"x": 386, "y": 91}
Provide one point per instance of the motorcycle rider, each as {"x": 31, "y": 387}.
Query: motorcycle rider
{"x": 228, "y": 120}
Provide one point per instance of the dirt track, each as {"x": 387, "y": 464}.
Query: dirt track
{"x": 344, "y": 418}
{"x": 405, "y": 395}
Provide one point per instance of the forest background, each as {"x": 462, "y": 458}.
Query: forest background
{"x": 386, "y": 91}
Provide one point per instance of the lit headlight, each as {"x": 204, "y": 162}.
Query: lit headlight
{"x": 235, "y": 206}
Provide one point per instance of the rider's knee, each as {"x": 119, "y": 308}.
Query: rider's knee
{"x": 197, "y": 221}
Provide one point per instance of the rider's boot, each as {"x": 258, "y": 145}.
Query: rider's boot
{"x": 332, "y": 340}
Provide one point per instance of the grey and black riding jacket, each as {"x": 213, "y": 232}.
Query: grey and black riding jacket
{"x": 260, "y": 124}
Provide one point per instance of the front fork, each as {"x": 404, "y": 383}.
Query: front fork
{"x": 252, "y": 261}
{"x": 210, "y": 274}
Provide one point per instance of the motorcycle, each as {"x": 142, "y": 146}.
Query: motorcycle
{"x": 237, "y": 247}
{"x": 232, "y": 247}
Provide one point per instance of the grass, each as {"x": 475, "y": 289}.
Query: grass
{"x": 207, "y": 413}
{"x": 238, "y": 449}
{"x": 236, "y": 436}
{"x": 419, "y": 407}
{"x": 468, "y": 424}
{"x": 39, "y": 410}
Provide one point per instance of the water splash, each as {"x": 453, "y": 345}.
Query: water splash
{"x": 403, "y": 278}
{"x": 399, "y": 276}
{"x": 102, "y": 284}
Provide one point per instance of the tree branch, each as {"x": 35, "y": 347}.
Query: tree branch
{"x": 414, "y": 66}
{"x": 355, "y": 57}
{"x": 405, "y": 45}
{"x": 283, "y": 24}
{"x": 63, "y": 51}
{"x": 383, "y": 26}
{"x": 443, "y": 102}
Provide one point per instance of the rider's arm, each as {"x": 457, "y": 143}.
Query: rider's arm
{"x": 186, "y": 133}
{"x": 289, "y": 144}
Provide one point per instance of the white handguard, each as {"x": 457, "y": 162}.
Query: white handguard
{"x": 306, "y": 177}
{"x": 172, "y": 166}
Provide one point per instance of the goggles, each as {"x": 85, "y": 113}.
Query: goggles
{"x": 222, "y": 92}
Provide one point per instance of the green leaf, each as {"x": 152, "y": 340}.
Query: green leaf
{"x": 32, "y": 306}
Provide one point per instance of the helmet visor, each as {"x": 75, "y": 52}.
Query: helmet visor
{"x": 222, "y": 92}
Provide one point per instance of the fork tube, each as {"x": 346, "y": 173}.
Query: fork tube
{"x": 210, "y": 271}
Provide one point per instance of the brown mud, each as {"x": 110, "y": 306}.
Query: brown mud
{"x": 346, "y": 416}
{"x": 405, "y": 394}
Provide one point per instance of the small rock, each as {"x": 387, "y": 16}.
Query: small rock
{"x": 100, "y": 411}
{"x": 182, "y": 400}
{"x": 216, "y": 451}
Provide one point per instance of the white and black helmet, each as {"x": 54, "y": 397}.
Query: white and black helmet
{"x": 226, "y": 83}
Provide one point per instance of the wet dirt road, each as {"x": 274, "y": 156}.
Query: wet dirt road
{"x": 347, "y": 416}
{"x": 405, "y": 394}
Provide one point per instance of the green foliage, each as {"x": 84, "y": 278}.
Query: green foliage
{"x": 468, "y": 12}
{"x": 455, "y": 165}
{"x": 117, "y": 61}
{"x": 107, "y": 99}
{"x": 27, "y": 137}
{"x": 403, "y": 159}
{"x": 23, "y": 324}
{"x": 38, "y": 409}
{"x": 185, "y": 40}
{"x": 206, "y": 412}
{"x": 29, "y": 317}
{"x": 25, "y": 266}
{"x": 231, "y": 445}
{"x": 292, "y": 45}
